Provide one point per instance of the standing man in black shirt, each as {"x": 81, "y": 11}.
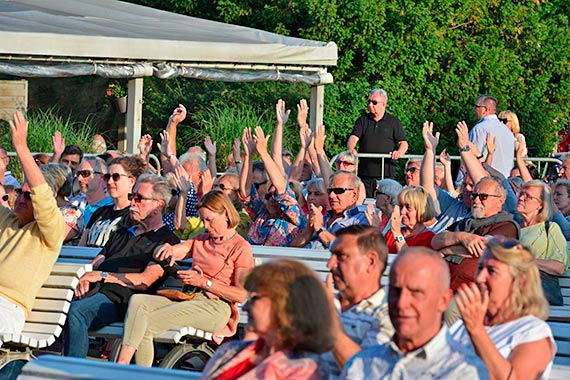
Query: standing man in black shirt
{"x": 124, "y": 266}
{"x": 377, "y": 132}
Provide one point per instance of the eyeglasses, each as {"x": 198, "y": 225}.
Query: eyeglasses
{"x": 524, "y": 195}
{"x": 223, "y": 187}
{"x": 483, "y": 197}
{"x": 339, "y": 190}
{"x": 139, "y": 198}
{"x": 115, "y": 176}
{"x": 258, "y": 184}
{"x": 504, "y": 121}
{"x": 27, "y": 195}
{"x": 346, "y": 163}
{"x": 86, "y": 173}
{"x": 505, "y": 242}
{"x": 268, "y": 195}
{"x": 478, "y": 106}
{"x": 411, "y": 170}
{"x": 5, "y": 197}
{"x": 375, "y": 102}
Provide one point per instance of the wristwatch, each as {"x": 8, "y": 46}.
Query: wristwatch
{"x": 103, "y": 276}
{"x": 399, "y": 239}
{"x": 209, "y": 283}
{"x": 321, "y": 230}
{"x": 466, "y": 148}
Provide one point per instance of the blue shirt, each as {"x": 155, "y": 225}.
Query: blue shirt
{"x": 349, "y": 218}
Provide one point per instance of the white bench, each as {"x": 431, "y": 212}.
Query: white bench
{"x": 49, "y": 312}
{"x": 562, "y": 313}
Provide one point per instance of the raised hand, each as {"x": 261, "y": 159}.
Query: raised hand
{"x": 319, "y": 138}
{"x": 58, "y": 143}
{"x": 260, "y": 140}
{"x": 210, "y": 147}
{"x": 431, "y": 141}
{"x": 462, "y": 134}
{"x": 472, "y": 304}
{"x": 374, "y": 218}
{"x": 236, "y": 149}
{"x": 302, "y": 112}
{"x": 145, "y": 145}
{"x": 281, "y": 113}
{"x": 396, "y": 221}
{"x": 182, "y": 179}
{"x": 444, "y": 158}
{"x": 316, "y": 219}
{"x": 248, "y": 142}
{"x": 178, "y": 115}
{"x": 19, "y": 128}
{"x": 308, "y": 137}
{"x": 491, "y": 143}
{"x": 165, "y": 144}
{"x": 521, "y": 148}
{"x": 207, "y": 181}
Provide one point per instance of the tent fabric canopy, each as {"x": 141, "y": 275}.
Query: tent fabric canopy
{"x": 74, "y": 33}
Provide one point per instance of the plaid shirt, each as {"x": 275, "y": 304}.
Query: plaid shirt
{"x": 278, "y": 231}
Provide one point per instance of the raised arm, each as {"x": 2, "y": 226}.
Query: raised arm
{"x": 448, "y": 184}
{"x": 521, "y": 164}
{"x": 491, "y": 143}
{"x": 19, "y": 128}
{"x": 58, "y": 146}
{"x": 277, "y": 142}
{"x": 472, "y": 163}
{"x": 166, "y": 152}
{"x": 145, "y": 146}
{"x": 211, "y": 149}
{"x": 427, "y": 170}
{"x": 178, "y": 116}
{"x": 305, "y": 136}
{"x": 325, "y": 166}
{"x": 246, "y": 174}
{"x": 183, "y": 184}
{"x": 351, "y": 144}
{"x": 277, "y": 179}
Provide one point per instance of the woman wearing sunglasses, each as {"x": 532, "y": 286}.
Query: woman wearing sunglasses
{"x": 407, "y": 228}
{"x": 121, "y": 177}
{"x": 503, "y": 314}
{"x": 219, "y": 258}
{"x": 278, "y": 217}
{"x": 4, "y": 198}
{"x": 287, "y": 310}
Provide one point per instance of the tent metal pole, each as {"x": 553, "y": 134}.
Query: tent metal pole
{"x": 134, "y": 117}
{"x": 316, "y": 107}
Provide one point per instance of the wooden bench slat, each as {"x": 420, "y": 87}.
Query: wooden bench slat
{"x": 42, "y": 316}
{"x": 65, "y": 282}
{"x": 55, "y": 294}
{"x": 51, "y": 305}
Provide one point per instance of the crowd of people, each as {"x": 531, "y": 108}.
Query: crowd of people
{"x": 478, "y": 253}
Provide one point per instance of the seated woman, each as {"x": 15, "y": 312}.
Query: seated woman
{"x": 407, "y": 224}
{"x": 287, "y": 310}
{"x": 72, "y": 215}
{"x": 278, "y": 221}
{"x": 561, "y": 203}
{"x": 219, "y": 258}
{"x": 504, "y": 312}
{"x": 543, "y": 238}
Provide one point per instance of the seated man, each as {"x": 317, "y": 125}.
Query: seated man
{"x": 358, "y": 259}
{"x": 464, "y": 241}
{"x": 421, "y": 347}
{"x": 30, "y": 237}
{"x": 124, "y": 267}
{"x": 343, "y": 194}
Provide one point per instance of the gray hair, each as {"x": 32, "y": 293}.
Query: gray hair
{"x": 547, "y": 210}
{"x": 353, "y": 179}
{"x": 390, "y": 187}
{"x": 97, "y": 164}
{"x": 160, "y": 186}
{"x": 499, "y": 187}
{"x": 490, "y": 102}
{"x": 319, "y": 183}
{"x": 61, "y": 175}
{"x": 193, "y": 159}
{"x": 379, "y": 91}
{"x": 347, "y": 156}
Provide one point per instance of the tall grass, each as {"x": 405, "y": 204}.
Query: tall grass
{"x": 42, "y": 126}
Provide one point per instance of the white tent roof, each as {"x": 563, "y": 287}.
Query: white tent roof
{"x": 113, "y": 30}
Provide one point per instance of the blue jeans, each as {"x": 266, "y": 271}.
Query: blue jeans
{"x": 87, "y": 314}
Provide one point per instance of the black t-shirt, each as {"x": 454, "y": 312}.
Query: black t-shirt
{"x": 380, "y": 136}
{"x": 127, "y": 253}
{"x": 105, "y": 222}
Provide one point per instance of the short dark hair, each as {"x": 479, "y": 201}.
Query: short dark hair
{"x": 490, "y": 102}
{"x": 368, "y": 239}
{"x": 73, "y": 149}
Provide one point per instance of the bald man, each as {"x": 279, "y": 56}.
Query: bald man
{"x": 421, "y": 347}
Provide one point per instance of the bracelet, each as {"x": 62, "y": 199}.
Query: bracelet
{"x": 238, "y": 161}
{"x": 170, "y": 156}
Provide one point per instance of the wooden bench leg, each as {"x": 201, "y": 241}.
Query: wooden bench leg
{"x": 7, "y": 356}
{"x": 172, "y": 359}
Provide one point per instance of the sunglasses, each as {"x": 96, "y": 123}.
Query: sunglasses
{"x": 339, "y": 190}
{"x": 268, "y": 196}
{"x": 258, "y": 184}
{"x": 175, "y": 192}
{"x": 287, "y": 155}
{"x": 346, "y": 163}
{"x": 483, "y": 197}
{"x": 222, "y": 187}
{"x": 27, "y": 195}
{"x": 86, "y": 173}
{"x": 478, "y": 106}
{"x": 374, "y": 102}
{"x": 116, "y": 176}
{"x": 504, "y": 121}
{"x": 139, "y": 198}
{"x": 5, "y": 197}
{"x": 411, "y": 170}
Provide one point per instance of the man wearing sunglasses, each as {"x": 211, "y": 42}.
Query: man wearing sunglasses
{"x": 377, "y": 132}
{"x": 90, "y": 176}
{"x": 485, "y": 110}
{"x": 31, "y": 237}
{"x": 123, "y": 267}
{"x": 464, "y": 241}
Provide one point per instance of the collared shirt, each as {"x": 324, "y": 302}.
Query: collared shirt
{"x": 89, "y": 209}
{"x": 278, "y": 231}
{"x": 366, "y": 323}
{"x": 503, "y": 157}
{"x": 349, "y": 218}
{"x": 9, "y": 179}
{"x": 441, "y": 358}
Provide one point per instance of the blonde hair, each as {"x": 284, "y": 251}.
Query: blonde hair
{"x": 527, "y": 297}
{"x": 546, "y": 210}
{"x": 418, "y": 198}
{"x": 217, "y": 201}
{"x": 513, "y": 118}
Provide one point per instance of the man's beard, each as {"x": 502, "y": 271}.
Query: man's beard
{"x": 478, "y": 211}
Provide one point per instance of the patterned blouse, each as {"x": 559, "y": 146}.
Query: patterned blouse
{"x": 279, "y": 231}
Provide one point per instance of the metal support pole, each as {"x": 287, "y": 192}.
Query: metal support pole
{"x": 134, "y": 117}
{"x": 316, "y": 107}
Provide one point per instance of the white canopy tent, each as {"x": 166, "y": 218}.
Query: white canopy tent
{"x": 113, "y": 39}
